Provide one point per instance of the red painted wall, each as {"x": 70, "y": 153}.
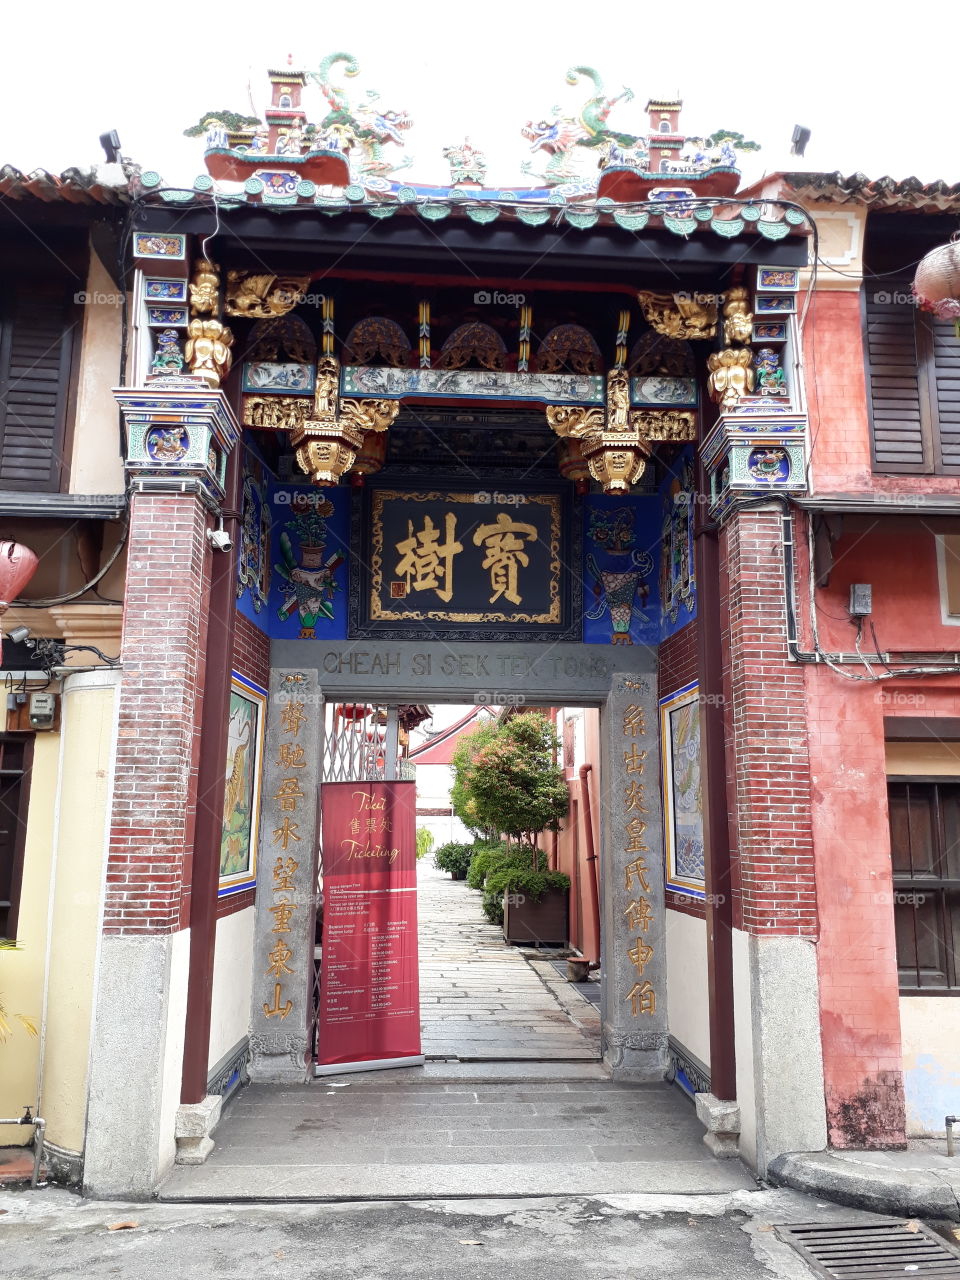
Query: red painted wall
{"x": 856, "y": 953}
{"x": 835, "y": 378}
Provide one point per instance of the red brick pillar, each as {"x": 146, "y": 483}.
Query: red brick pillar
{"x": 144, "y": 963}
{"x": 179, "y": 434}
{"x": 158, "y": 739}
{"x": 776, "y": 1002}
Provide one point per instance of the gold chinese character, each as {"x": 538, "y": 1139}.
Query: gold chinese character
{"x": 425, "y": 562}
{"x": 286, "y": 832}
{"x": 636, "y": 870}
{"x": 633, "y": 721}
{"x": 292, "y": 716}
{"x": 641, "y": 953}
{"x": 643, "y": 999}
{"x": 504, "y": 553}
{"x": 278, "y": 1008}
{"x": 634, "y": 759}
{"x": 639, "y": 914}
{"x": 282, "y": 912}
{"x": 634, "y": 797}
{"x": 279, "y": 956}
{"x": 635, "y": 829}
{"x": 291, "y": 756}
{"x": 288, "y": 793}
{"x": 282, "y": 872}
{"x": 354, "y": 826}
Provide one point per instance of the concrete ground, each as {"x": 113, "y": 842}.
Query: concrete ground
{"x": 722, "y": 1237}
{"x": 483, "y": 1000}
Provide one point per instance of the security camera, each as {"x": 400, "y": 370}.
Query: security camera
{"x": 220, "y": 540}
{"x": 18, "y": 634}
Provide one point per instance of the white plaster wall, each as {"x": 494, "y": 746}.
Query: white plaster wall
{"x": 743, "y": 1038}
{"x": 433, "y": 792}
{"x": 687, "y": 995}
{"x": 96, "y": 465}
{"x": 171, "y": 1077}
{"x": 232, "y": 983}
{"x": 930, "y": 1028}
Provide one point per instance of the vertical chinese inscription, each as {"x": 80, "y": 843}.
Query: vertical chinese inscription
{"x": 282, "y": 1015}
{"x": 634, "y": 1013}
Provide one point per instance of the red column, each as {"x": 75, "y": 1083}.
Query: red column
{"x": 859, "y": 990}
{"x": 163, "y": 653}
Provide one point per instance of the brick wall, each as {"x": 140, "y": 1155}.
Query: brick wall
{"x": 251, "y": 658}
{"x": 768, "y": 766}
{"x": 677, "y": 660}
{"x": 163, "y": 651}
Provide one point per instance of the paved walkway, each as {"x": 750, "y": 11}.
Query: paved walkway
{"x": 401, "y": 1134}
{"x": 481, "y": 1000}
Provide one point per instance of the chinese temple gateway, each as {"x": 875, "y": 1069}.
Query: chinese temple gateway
{"x": 464, "y": 439}
{"x": 388, "y": 445}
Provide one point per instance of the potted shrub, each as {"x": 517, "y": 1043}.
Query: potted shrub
{"x": 454, "y": 858}
{"x": 515, "y": 786}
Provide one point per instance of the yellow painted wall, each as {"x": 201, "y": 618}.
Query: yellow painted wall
{"x": 88, "y": 729}
{"x": 21, "y": 972}
{"x": 95, "y": 464}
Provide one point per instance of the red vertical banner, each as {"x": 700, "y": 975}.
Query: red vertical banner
{"x": 369, "y": 980}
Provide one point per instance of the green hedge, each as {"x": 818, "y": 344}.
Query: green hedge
{"x": 489, "y": 857}
{"x": 519, "y": 880}
{"x": 455, "y": 858}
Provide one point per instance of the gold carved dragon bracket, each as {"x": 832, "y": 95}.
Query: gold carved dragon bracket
{"x": 615, "y": 441}
{"x": 329, "y": 439}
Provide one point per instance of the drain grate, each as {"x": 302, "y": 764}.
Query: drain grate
{"x": 877, "y": 1250}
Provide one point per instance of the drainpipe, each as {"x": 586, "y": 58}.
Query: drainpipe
{"x": 719, "y": 899}
{"x": 211, "y": 780}
{"x": 591, "y": 859}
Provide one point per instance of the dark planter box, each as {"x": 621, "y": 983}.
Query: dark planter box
{"x": 458, "y": 875}
{"x": 531, "y": 922}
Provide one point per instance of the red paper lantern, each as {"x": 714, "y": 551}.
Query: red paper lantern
{"x": 18, "y": 564}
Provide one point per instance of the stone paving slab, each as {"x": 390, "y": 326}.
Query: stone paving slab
{"x": 388, "y": 1140}
{"x": 483, "y": 1000}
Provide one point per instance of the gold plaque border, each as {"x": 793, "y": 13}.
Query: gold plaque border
{"x": 553, "y": 501}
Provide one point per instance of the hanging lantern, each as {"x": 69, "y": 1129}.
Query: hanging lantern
{"x": 352, "y": 711}
{"x": 937, "y": 283}
{"x": 18, "y": 564}
{"x": 371, "y": 455}
{"x": 572, "y": 465}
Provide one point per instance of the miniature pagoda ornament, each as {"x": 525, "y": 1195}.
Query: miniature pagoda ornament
{"x": 468, "y": 166}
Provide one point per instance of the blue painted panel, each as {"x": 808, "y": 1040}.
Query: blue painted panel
{"x": 620, "y": 547}
{"x": 310, "y": 555}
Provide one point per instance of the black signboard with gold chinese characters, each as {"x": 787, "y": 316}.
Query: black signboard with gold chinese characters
{"x": 456, "y": 563}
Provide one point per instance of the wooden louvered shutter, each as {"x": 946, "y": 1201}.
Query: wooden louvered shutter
{"x": 897, "y": 391}
{"x": 943, "y": 363}
{"x": 35, "y": 348}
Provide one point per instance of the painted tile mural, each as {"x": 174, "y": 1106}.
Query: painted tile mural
{"x": 677, "y": 582}
{"x": 621, "y": 603}
{"x": 311, "y": 532}
{"x": 253, "y": 568}
{"x": 682, "y": 794}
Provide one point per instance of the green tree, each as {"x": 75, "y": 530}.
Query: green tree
{"x": 515, "y": 785}
{"x": 461, "y": 797}
{"x": 738, "y": 140}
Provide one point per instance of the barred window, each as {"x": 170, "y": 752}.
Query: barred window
{"x": 925, "y": 845}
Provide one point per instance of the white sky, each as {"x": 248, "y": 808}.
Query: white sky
{"x": 876, "y": 84}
